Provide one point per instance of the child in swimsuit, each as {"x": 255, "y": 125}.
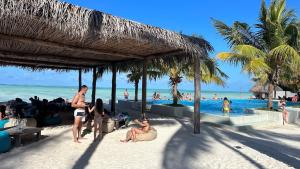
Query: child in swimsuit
{"x": 98, "y": 117}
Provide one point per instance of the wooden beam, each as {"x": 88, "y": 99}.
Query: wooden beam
{"x": 164, "y": 54}
{"x": 50, "y": 58}
{"x": 197, "y": 88}
{"x": 94, "y": 85}
{"x": 76, "y": 49}
{"x": 37, "y": 63}
{"x": 114, "y": 88}
{"x": 32, "y": 65}
{"x": 144, "y": 87}
{"x": 79, "y": 79}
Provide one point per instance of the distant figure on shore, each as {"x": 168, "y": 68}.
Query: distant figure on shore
{"x": 295, "y": 99}
{"x": 158, "y": 96}
{"x": 78, "y": 103}
{"x": 126, "y": 94}
{"x": 226, "y": 105}
{"x": 98, "y": 118}
{"x": 154, "y": 96}
{"x": 282, "y": 107}
{"x": 215, "y": 97}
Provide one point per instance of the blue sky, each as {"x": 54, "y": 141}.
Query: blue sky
{"x": 188, "y": 16}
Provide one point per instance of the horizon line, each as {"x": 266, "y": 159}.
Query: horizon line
{"x": 36, "y": 85}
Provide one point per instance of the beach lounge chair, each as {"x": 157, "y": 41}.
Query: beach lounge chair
{"x": 5, "y": 142}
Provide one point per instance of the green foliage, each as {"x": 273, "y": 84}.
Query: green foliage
{"x": 268, "y": 53}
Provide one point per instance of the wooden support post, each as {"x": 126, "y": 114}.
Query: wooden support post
{"x": 114, "y": 87}
{"x": 79, "y": 79}
{"x": 144, "y": 87}
{"x": 197, "y": 88}
{"x": 94, "y": 85}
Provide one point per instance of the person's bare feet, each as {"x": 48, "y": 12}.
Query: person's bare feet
{"x": 76, "y": 141}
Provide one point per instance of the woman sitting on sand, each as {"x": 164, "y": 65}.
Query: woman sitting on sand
{"x": 98, "y": 118}
{"x": 145, "y": 127}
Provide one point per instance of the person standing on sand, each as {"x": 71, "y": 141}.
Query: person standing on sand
{"x": 98, "y": 118}
{"x": 78, "y": 103}
{"x": 282, "y": 105}
{"x": 126, "y": 94}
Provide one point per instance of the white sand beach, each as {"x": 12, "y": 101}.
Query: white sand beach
{"x": 175, "y": 148}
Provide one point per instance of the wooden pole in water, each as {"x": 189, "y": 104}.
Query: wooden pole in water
{"x": 197, "y": 88}
{"x": 113, "y": 90}
{"x": 79, "y": 79}
{"x": 94, "y": 85}
{"x": 144, "y": 87}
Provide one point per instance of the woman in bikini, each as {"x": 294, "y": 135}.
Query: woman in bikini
{"x": 284, "y": 111}
{"x": 98, "y": 118}
{"x": 145, "y": 127}
{"x": 226, "y": 106}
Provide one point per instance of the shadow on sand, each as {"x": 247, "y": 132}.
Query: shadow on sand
{"x": 83, "y": 161}
{"x": 184, "y": 148}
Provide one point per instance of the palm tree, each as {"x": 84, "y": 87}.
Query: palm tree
{"x": 210, "y": 73}
{"x": 175, "y": 77}
{"x": 135, "y": 74}
{"x": 269, "y": 51}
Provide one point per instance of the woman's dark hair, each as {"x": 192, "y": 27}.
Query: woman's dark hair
{"x": 99, "y": 106}
{"x": 146, "y": 119}
{"x": 2, "y": 110}
{"x": 225, "y": 98}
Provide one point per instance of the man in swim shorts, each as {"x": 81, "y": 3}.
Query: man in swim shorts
{"x": 78, "y": 103}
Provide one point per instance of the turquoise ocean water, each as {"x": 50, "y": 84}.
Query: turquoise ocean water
{"x": 9, "y": 92}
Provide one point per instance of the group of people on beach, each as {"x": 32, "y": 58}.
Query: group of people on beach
{"x": 187, "y": 96}
{"x": 97, "y": 112}
{"x": 156, "y": 96}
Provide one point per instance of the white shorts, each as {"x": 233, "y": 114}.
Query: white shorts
{"x": 80, "y": 113}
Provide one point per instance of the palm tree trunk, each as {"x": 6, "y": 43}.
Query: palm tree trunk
{"x": 136, "y": 90}
{"x": 174, "y": 92}
{"x": 144, "y": 87}
{"x": 114, "y": 86}
{"x": 197, "y": 88}
{"x": 270, "y": 95}
{"x": 94, "y": 85}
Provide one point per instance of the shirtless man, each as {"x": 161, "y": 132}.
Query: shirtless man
{"x": 78, "y": 102}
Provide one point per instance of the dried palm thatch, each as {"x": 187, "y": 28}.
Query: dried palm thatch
{"x": 59, "y": 35}
{"x": 259, "y": 88}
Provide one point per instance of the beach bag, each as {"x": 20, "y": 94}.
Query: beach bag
{"x": 108, "y": 125}
{"x": 5, "y": 143}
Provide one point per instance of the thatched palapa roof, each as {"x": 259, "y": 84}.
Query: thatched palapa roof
{"x": 259, "y": 88}
{"x": 58, "y": 35}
